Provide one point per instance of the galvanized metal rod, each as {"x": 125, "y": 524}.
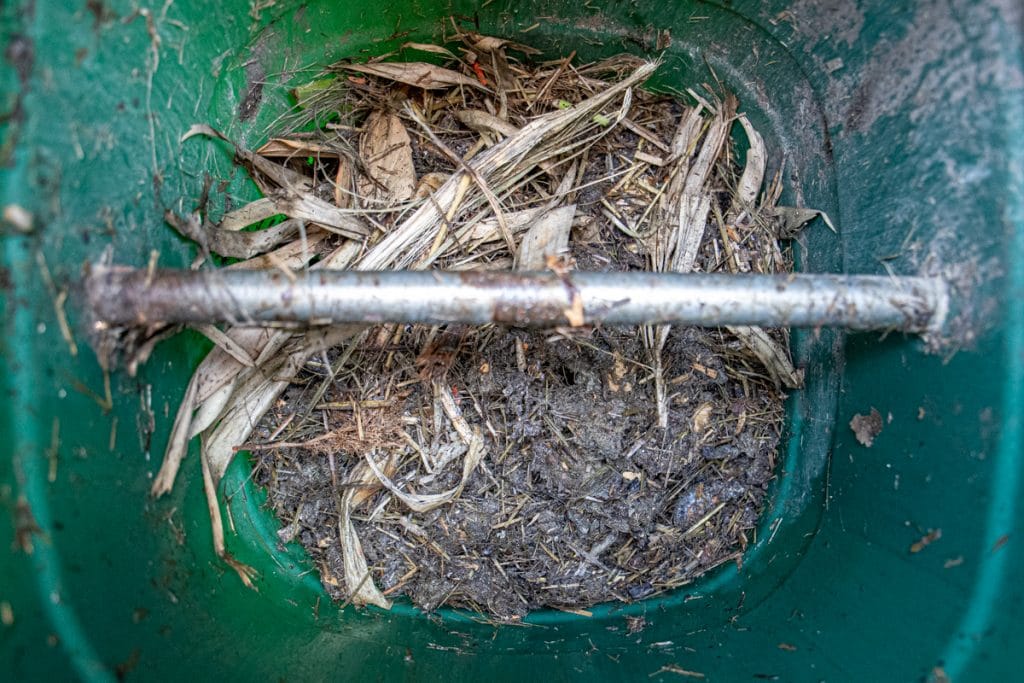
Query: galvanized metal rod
{"x": 124, "y": 296}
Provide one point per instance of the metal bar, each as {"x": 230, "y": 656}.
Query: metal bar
{"x": 124, "y": 296}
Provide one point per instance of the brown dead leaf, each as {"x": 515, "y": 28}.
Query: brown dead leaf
{"x": 867, "y": 427}
{"x": 702, "y": 418}
{"x": 481, "y": 43}
{"x": 386, "y": 151}
{"x": 428, "y": 47}
{"x": 484, "y": 122}
{"x": 367, "y": 486}
{"x": 286, "y": 148}
{"x": 418, "y": 74}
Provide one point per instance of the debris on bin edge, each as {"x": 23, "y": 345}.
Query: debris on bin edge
{"x": 492, "y": 468}
{"x": 867, "y": 427}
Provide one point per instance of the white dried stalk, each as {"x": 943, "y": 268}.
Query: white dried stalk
{"x": 362, "y": 589}
{"x": 547, "y": 237}
{"x": 773, "y": 356}
{"x": 689, "y": 198}
{"x": 418, "y": 74}
{"x": 425, "y": 502}
{"x": 753, "y": 169}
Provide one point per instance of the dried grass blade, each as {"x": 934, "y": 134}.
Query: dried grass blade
{"x": 428, "y": 47}
{"x": 287, "y": 148}
{"x": 310, "y": 208}
{"x": 177, "y": 444}
{"x": 262, "y": 169}
{"x": 362, "y": 589}
{"x": 232, "y": 244}
{"x": 250, "y": 214}
{"x": 244, "y": 571}
{"x": 417, "y": 74}
{"x": 238, "y": 422}
{"x": 425, "y": 502}
{"x": 226, "y": 344}
{"x": 753, "y": 169}
{"x": 295, "y": 254}
{"x": 484, "y": 122}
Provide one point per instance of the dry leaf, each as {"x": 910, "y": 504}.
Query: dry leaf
{"x": 753, "y": 169}
{"x": 470, "y": 436}
{"x": 548, "y": 236}
{"x": 363, "y": 492}
{"x": 264, "y": 172}
{"x": 702, "y": 418}
{"x": 488, "y": 43}
{"x": 482, "y": 43}
{"x": 488, "y": 229}
{"x": 308, "y": 207}
{"x": 425, "y": 502}
{"x": 244, "y": 571}
{"x": 418, "y": 74}
{"x": 793, "y": 219}
{"x": 484, "y": 122}
{"x": 427, "y": 47}
{"x": 386, "y": 151}
{"x": 295, "y": 254}
{"x": 229, "y": 242}
{"x": 250, "y": 214}
{"x": 287, "y": 148}
{"x": 362, "y": 589}
{"x": 269, "y": 381}
{"x": 177, "y": 445}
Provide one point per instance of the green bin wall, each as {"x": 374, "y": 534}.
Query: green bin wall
{"x": 904, "y": 124}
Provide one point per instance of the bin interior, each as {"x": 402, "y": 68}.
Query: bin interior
{"x": 902, "y": 124}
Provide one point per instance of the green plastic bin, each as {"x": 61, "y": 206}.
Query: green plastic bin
{"x": 904, "y": 121}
